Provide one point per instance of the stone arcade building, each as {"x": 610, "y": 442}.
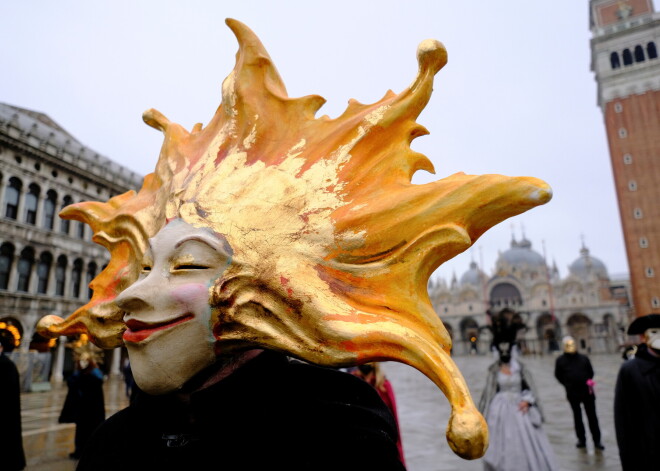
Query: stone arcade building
{"x": 46, "y": 263}
{"x": 524, "y": 290}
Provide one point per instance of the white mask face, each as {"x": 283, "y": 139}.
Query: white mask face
{"x": 84, "y": 364}
{"x": 652, "y": 336}
{"x": 170, "y": 333}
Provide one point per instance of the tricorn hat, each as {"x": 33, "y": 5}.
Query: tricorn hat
{"x": 640, "y": 324}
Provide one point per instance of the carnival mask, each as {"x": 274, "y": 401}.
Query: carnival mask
{"x": 169, "y": 335}
{"x": 569, "y": 345}
{"x": 652, "y": 338}
{"x": 329, "y": 246}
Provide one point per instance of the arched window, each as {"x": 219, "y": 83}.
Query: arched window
{"x": 91, "y": 273}
{"x": 639, "y": 54}
{"x": 43, "y": 272}
{"x": 24, "y": 269}
{"x": 49, "y": 209}
{"x": 627, "y": 57}
{"x": 76, "y": 275}
{"x": 505, "y": 294}
{"x": 60, "y": 275}
{"x": 12, "y": 196}
{"x": 651, "y": 50}
{"x": 614, "y": 60}
{"x": 31, "y": 201}
{"x": 6, "y": 261}
{"x": 64, "y": 224}
{"x": 81, "y": 230}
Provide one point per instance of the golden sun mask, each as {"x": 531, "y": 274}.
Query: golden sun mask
{"x": 332, "y": 244}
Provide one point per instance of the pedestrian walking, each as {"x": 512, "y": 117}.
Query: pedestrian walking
{"x": 84, "y": 404}
{"x": 373, "y": 374}
{"x": 574, "y": 371}
{"x": 511, "y": 407}
{"x": 637, "y": 399}
{"x": 12, "y": 457}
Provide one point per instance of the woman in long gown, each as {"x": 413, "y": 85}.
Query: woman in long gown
{"x": 514, "y": 417}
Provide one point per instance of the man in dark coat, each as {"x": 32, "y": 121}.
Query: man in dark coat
{"x": 574, "y": 371}
{"x": 12, "y": 457}
{"x": 637, "y": 399}
{"x": 270, "y": 413}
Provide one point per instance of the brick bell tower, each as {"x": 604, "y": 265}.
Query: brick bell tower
{"x": 624, "y": 57}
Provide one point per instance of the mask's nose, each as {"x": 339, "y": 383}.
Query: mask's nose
{"x": 135, "y": 298}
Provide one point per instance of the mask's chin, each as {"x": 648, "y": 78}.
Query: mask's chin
{"x": 163, "y": 374}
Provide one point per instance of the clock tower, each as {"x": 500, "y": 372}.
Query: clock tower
{"x": 624, "y": 58}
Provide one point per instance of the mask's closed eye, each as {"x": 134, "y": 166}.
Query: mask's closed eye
{"x": 190, "y": 267}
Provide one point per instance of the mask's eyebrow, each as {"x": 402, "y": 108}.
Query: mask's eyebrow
{"x": 217, "y": 243}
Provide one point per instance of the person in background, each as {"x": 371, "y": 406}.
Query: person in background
{"x": 511, "y": 408}
{"x": 574, "y": 371}
{"x": 373, "y": 374}
{"x": 12, "y": 457}
{"x": 637, "y": 399}
{"x": 84, "y": 404}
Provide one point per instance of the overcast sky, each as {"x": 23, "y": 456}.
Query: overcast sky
{"x": 517, "y": 96}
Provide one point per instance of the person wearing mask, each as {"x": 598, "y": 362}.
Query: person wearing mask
{"x": 637, "y": 399}
{"x": 511, "y": 408}
{"x": 84, "y": 404}
{"x": 574, "y": 371}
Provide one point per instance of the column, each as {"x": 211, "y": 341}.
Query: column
{"x": 57, "y": 375}
{"x": 20, "y": 216}
{"x": 40, "y": 208}
{"x": 13, "y": 272}
{"x": 50, "y": 288}
{"x": 3, "y": 188}
{"x": 115, "y": 367}
{"x": 68, "y": 286}
{"x": 32, "y": 284}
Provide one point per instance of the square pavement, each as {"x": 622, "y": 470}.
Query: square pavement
{"x": 423, "y": 416}
{"x": 424, "y": 413}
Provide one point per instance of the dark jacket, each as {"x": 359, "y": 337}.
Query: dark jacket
{"x": 269, "y": 414}
{"x": 637, "y": 411}
{"x": 573, "y": 370}
{"x": 12, "y": 457}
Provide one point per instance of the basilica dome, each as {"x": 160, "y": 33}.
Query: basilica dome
{"x": 587, "y": 265}
{"x": 473, "y": 276}
{"x": 521, "y": 255}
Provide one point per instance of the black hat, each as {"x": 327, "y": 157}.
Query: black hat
{"x": 640, "y": 324}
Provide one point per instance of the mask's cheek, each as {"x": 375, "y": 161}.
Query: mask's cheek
{"x": 190, "y": 297}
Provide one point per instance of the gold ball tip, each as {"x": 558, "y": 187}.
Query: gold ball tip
{"x": 431, "y": 54}
{"x": 45, "y": 323}
{"x": 467, "y": 434}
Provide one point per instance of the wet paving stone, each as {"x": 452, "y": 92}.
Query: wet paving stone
{"x": 46, "y": 442}
{"x": 424, "y": 414}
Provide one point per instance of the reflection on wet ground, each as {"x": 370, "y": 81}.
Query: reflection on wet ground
{"x": 47, "y": 443}
{"x": 423, "y": 415}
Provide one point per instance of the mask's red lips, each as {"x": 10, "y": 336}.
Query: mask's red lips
{"x": 138, "y": 331}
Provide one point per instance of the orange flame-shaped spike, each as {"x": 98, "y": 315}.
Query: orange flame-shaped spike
{"x": 332, "y": 244}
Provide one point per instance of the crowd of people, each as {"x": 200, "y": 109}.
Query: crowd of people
{"x": 510, "y": 403}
